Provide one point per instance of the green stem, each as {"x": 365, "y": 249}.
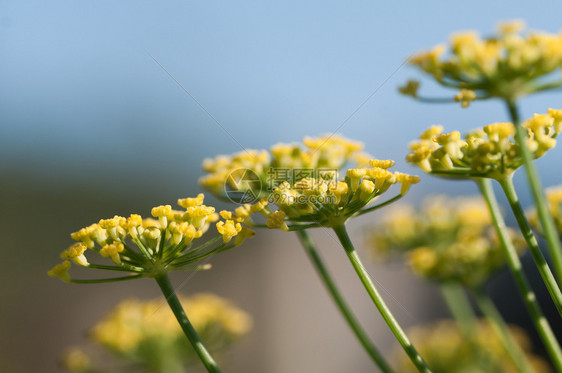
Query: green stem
{"x": 532, "y": 243}
{"x": 373, "y": 208}
{"x": 529, "y": 298}
{"x": 314, "y": 256}
{"x": 534, "y": 180}
{"x": 104, "y": 280}
{"x": 460, "y": 307}
{"x": 174, "y": 303}
{"x": 499, "y": 326}
{"x": 379, "y": 302}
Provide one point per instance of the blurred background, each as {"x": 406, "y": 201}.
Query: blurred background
{"x": 91, "y": 126}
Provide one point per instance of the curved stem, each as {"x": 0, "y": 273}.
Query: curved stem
{"x": 174, "y": 303}
{"x": 493, "y": 316}
{"x": 460, "y": 307}
{"x": 529, "y": 298}
{"x": 534, "y": 180}
{"x": 340, "y": 302}
{"x": 373, "y": 208}
{"x": 532, "y": 243}
{"x": 410, "y": 350}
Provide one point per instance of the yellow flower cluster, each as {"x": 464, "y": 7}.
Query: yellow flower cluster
{"x": 301, "y": 180}
{"x": 447, "y": 350}
{"x": 489, "y": 152}
{"x": 255, "y": 170}
{"x": 134, "y": 323}
{"x": 329, "y": 202}
{"x": 554, "y": 201}
{"x": 505, "y": 65}
{"x": 148, "y": 336}
{"x": 148, "y": 247}
{"x": 448, "y": 239}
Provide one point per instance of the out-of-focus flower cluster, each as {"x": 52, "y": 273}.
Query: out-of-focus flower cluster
{"x": 448, "y": 239}
{"x": 507, "y": 65}
{"x": 148, "y": 247}
{"x": 447, "y": 350}
{"x": 300, "y": 183}
{"x": 147, "y": 335}
{"x": 489, "y": 152}
{"x": 229, "y": 173}
{"x": 554, "y": 201}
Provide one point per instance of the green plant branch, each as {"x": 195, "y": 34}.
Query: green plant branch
{"x": 373, "y": 208}
{"x": 529, "y": 298}
{"x": 547, "y": 223}
{"x": 379, "y": 302}
{"x": 363, "y": 338}
{"x": 495, "y": 319}
{"x": 188, "y": 329}
{"x": 532, "y": 243}
{"x": 104, "y": 280}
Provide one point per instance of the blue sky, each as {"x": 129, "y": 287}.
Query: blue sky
{"x": 81, "y": 99}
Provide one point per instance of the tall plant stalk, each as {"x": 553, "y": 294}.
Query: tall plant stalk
{"x": 379, "y": 302}
{"x": 346, "y": 312}
{"x": 545, "y": 218}
{"x": 529, "y": 298}
{"x": 188, "y": 329}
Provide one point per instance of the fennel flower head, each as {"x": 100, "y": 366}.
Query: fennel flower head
{"x": 554, "y": 201}
{"x": 145, "y": 334}
{"x": 447, "y": 239}
{"x": 447, "y": 350}
{"x": 489, "y": 152}
{"x": 302, "y": 185}
{"x": 509, "y": 64}
{"x": 147, "y": 247}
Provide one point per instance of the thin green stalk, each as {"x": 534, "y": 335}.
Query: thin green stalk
{"x": 104, "y": 280}
{"x": 532, "y": 243}
{"x": 460, "y": 307}
{"x": 457, "y": 301}
{"x": 493, "y": 316}
{"x": 529, "y": 298}
{"x": 534, "y": 180}
{"x": 340, "y": 302}
{"x": 174, "y": 303}
{"x": 379, "y": 302}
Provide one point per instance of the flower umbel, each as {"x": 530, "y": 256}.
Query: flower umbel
{"x": 250, "y": 175}
{"x": 489, "y": 152}
{"x": 303, "y": 185}
{"x": 143, "y": 334}
{"x": 509, "y": 64}
{"x": 149, "y": 247}
{"x": 448, "y": 350}
{"x": 448, "y": 239}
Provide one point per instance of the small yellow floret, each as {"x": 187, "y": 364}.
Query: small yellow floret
{"x": 161, "y": 211}
{"x": 76, "y": 254}
{"x": 465, "y": 96}
{"x": 111, "y": 223}
{"x": 228, "y": 229}
{"x": 60, "y": 271}
{"x": 406, "y": 181}
{"x": 277, "y": 220}
{"x": 377, "y": 163}
{"x": 112, "y": 251}
{"x": 192, "y": 202}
